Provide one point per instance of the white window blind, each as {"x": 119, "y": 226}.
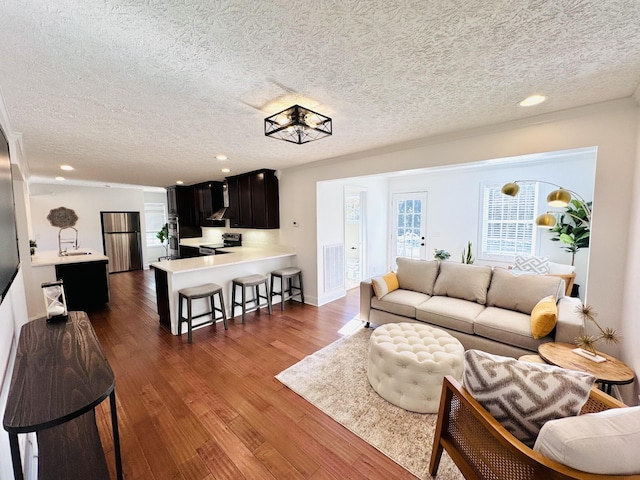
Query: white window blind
{"x": 155, "y": 215}
{"x": 508, "y": 223}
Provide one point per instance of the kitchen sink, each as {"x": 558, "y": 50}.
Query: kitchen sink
{"x": 73, "y": 254}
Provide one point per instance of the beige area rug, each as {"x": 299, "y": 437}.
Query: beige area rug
{"x": 334, "y": 379}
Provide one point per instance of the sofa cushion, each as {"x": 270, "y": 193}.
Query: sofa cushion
{"x": 449, "y": 312}
{"x": 400, "y": 302}
{"x": 417, "y": 275}
{"x": 460, "y": 280}
{"x": 521, "y": 292}
{"x": 523, "y": 396}
{"x": 544, "y": 317}
{"x": 508, "y": 327}
{"x": 384, "y": 284}
{"x": 531, "y": 263}
{"x": 604, "y": 442}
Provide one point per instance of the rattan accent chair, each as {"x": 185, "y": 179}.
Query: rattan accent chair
{"x": 483, "y": 449}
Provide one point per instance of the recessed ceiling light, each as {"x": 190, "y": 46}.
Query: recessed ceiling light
{"x": 68, "y": 168}
{"x": 532, "y": 100}
{"x": 225, "y": 170}
{"x": 60, "y": 179}
{"x": 221, "y": 157}
{"x": 179, "y": 182}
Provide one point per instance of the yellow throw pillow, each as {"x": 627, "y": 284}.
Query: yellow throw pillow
{"x": 384, "y": 284}
{"x": 544, "y": 317}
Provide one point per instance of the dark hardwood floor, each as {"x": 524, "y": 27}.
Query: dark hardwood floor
{"x": 213, "y": 409}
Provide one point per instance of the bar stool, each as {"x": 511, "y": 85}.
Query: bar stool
{"x": 286, "y": 275}
{"x": 250, "y": 281}
{"x": 208, "y": 290}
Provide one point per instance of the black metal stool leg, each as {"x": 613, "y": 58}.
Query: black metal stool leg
{"x": 179, "y": 314}
{"x": 189, "y": 318}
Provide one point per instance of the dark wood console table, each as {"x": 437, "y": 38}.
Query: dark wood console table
{"x": 60, "y": 376}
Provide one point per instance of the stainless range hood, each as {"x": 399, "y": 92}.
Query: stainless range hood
{"x": 220, "y": 214}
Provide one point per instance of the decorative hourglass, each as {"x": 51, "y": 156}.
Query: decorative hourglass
{"x": 55, "y": 301}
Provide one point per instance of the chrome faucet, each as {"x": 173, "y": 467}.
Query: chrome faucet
{"x": 74, "y": 242}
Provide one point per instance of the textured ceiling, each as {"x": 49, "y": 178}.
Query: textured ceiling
{"x": 149, "y": 91}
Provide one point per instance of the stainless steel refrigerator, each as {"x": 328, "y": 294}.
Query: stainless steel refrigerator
{"x": 122, "y": 240}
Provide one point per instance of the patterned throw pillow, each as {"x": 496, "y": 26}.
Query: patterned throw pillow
{"x": 533, "y": 264}
{"x": 384, "y": 284}
{"x": 524, "y": 396}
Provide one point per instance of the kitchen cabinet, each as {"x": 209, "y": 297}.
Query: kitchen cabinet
{"x": 181, "y": 203}
{"x": 86, "y": 284}
{"x": 254, "y": 200}
{"x": 208, "y": 199}
{"x": 189, "y": 252}
{"x": 193, "y": 204}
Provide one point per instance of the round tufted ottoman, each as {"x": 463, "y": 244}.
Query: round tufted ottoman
{"x": 407, "y": 362}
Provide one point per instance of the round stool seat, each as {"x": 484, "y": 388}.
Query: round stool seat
{"x": 286, "y": 272}
{"x": 250, "y": 280}
{"x": 408, "y": 361}
{"x": 200, "y": 291}
{"x": 190, "y": 295}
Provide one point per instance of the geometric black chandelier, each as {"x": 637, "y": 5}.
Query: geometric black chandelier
{"x": 298, "y": 125}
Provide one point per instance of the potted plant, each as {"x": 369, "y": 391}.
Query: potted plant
{"x": 467, "y": 254}
{"x": 163, "y": 236}
{"x": 441, "y": 254}
{"x": 572, "y": 228}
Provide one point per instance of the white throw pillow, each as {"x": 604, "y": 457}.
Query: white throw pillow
{"x": 605, "y": 442}
{"x": 523, "y": 396}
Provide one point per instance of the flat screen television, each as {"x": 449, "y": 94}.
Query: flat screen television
{"x": 9, "y": 256}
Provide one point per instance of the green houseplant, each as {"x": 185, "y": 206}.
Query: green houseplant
{"x": 572, "y": 228}
{"x": 441, "y": 254}
{"x": 467, "y": 254}
{"x": 163, "y": 236}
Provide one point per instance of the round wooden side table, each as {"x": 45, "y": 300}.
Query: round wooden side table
{"x": 608, "y": 373}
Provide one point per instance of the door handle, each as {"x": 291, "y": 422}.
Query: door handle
{"x": 354, "y": 248}
{"x": 422, "y": 244}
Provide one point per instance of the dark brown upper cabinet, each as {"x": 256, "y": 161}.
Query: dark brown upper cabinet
{"x": 208, "y": 200}
{"x": 254, "y": 201}
{"x": 194, "y": 204}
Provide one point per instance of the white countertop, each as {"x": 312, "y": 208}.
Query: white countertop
{"x": 50, "y": 257}
{"x": 237, "y": 255}
{"x": 197, "y": 241}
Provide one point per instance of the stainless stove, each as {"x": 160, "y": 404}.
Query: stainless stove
{"x": 228, "y": 240}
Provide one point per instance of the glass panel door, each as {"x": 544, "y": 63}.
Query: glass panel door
{"x": 354, "y": 235}
{"x": 409, "y": 228}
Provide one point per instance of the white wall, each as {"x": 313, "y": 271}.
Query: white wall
{"x": 611, "y": 126}
{"x": 330, "y": 227}
{"x": 454, "y": 200}
{"x": 13, "y": 308}
{"x": 152, "y": 253}
{"x": 87, "y": 202}
{"x": 630, "y": 324}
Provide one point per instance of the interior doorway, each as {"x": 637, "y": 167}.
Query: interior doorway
{"x": 355, "y": 200}
{"x": 409, "y": 226}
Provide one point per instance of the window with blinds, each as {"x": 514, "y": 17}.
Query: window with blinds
{"x": 155, "y": 215}
{"x": 508, "y": 223}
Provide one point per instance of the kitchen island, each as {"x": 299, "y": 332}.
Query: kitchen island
{"x": 173, "y": 275}
{"x": 84, "y": 274}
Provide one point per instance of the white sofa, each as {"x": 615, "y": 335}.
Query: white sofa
{"x": 485, "y": 308}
